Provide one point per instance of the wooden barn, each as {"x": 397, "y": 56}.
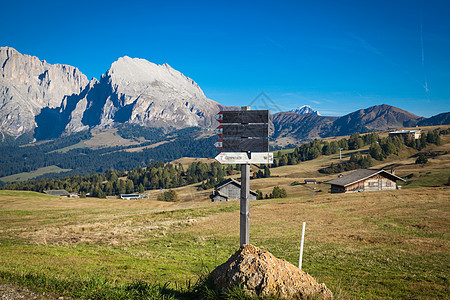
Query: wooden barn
{"x": 229, "y": 190}
{"x": 310, "y": 181}
{"x": 365, "y": 180}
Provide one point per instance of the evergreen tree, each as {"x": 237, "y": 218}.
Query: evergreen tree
{"x": 326, "y": 149}
{"x": 334, "y": 147}
{"x": 266, "y": 171}
{"x": 278, "y": 192}
{"x": 375, "y": 151}
{"x": 343, "y": 144}
{"x": 283, "y": 161}
{"x": 421, "y": 159}
{"x": 129, "y": 186}
{"x": 259, "y": 195}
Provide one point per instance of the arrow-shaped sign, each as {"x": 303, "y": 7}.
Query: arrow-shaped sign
{"x": 243, "y": 116}
{"x": 219, "y": 117}
{"x": 219, "y": 144}
{"x": 235, "y": 145}
{"x": 219, "y": 130}
{"x": 243, "y": 130}
{"x": 243, "y": 158}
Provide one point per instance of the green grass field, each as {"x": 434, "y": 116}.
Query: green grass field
{"x": 371, "y": 245}
{"x": 78, "y": 145}
{"x": 379, "y": 245}
{"x": 29, "y": 175}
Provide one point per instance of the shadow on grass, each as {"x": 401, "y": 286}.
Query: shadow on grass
{"x": 102, "y": 288}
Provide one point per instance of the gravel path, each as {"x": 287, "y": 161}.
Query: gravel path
{"x": 13, "y": 292}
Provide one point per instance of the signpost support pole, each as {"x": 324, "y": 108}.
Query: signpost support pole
{"x": 245, "y": 201}
{"x": 245, "y": 205}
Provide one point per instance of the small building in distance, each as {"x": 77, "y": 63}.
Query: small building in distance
{"x": 415, "y": 134}
{"x": 59, "y": 193}
{"x": 229, "y": 190}
{"x": 365, "y": 180}
{"x": 310, "y": 181}
{"x": 130, "y": 196}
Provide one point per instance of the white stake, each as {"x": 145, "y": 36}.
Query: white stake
{"x": 301, "y": 247}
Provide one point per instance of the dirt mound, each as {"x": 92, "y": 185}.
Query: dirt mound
{"x": 261, "y": 273}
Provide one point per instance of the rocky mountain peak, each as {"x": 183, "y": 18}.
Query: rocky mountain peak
{"x": 305, "y": 109}
{"x": 137, "y": 91}
{"x": 28, "y": 84}
{"x": 144, "y": 73}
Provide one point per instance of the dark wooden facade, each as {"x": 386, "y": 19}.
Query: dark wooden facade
{"x": 365, "y": 180}
{"x": 229, "y": 190}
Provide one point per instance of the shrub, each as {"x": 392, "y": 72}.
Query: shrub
{"x": 168, "y": 196}
{"x": 422, "y": 159}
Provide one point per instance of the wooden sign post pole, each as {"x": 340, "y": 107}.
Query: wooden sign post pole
{"x": 245, "y": 201}
{"x": 245, "y": 140}
{"x": 245, "y": 205}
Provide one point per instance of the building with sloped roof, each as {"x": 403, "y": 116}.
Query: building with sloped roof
{"x": 130, "y": 196}
{"x": 365, "y": 180}
{"x": 310, "y": 181}
{"x": 415, "y": 134}
{"x": 60, "y": 193}
{"x": 229, "y": 190}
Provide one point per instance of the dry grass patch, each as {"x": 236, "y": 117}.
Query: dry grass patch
{"x": 363, "y": 245}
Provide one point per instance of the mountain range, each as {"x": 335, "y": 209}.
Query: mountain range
{"x": 39, "y": 100}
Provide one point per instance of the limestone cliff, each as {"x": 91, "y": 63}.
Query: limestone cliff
{"x": 28, "y": 84}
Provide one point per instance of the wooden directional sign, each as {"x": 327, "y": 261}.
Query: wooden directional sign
{"x": 243, "y": 130}
{"x": 243, "y": 158}
{"x": 243, "y": 143}
{"x": 235, "y": 145}
{"x": 243, "y": 116}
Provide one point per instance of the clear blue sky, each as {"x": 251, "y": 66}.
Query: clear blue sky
{"x": 336, "y": 56}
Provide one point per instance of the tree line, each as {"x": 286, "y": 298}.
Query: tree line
{"x": 316, "y": 148}
{"x": 157, "y": 175}
{"x": 380, "y": 149}
{"x": 83, "y": 160}
{"x": 160, "y": 175}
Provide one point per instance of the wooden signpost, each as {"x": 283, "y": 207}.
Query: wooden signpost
{"x": 244, "y": 140}
{"x": 242, "y": 130}
{"x": 244, "y": 158}
{"x": 251, "y": 145}
{"x": 244, "y": 116}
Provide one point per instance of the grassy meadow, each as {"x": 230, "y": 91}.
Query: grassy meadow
{"x": 33, "y": 174}
{"x": 371, "y": 245}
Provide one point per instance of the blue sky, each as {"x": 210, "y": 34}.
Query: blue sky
{"x": 336, "y": 56}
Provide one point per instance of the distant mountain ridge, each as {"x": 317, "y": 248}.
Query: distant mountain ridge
{"x": 45, "y": 101}
{"x": 440, "y": 119}
{"x": 299, "y": 126}
{"x": 378, "y": 117}
{"x": 307, "y": 127}
{"x": 305, "y": 109}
